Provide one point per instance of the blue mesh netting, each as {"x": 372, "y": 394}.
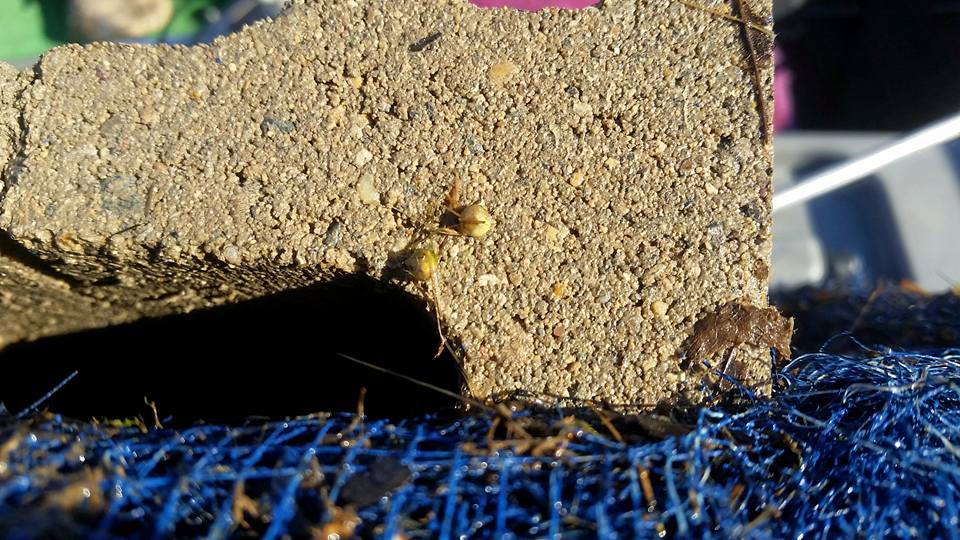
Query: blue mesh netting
{"x": 862, "y": 443}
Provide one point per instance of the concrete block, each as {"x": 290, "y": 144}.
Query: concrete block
{"x": 618, "y": 149}
{"x": 12, "y": 84}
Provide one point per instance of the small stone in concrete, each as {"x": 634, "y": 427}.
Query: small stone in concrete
{"x": 276, "y": 124}
{"x": 501, "y": 72}
{"x": 367, "y": 191}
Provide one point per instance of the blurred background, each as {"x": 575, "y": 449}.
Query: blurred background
{"x": 29, "y": 27}
{"x": 851, "y": 75}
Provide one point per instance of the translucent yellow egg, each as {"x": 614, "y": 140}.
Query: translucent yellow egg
{"x": 475, "y": 221}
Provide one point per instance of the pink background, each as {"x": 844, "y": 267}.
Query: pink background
{"x": 533, "y": 5}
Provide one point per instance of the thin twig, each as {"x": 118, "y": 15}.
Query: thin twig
{"x": 435, "y": 388}
{"x": 874, "y": 295}
{"x": 727, "y": 16}
{"x": 608, "y": 424}
{"x": 46, "y": 396}
{"x": 754, "y": 72}
{"x": 156, "y": 415}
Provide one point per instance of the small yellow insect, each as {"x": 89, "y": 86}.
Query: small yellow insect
{"x": 421, "y": 263}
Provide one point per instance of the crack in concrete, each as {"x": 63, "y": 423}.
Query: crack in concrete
{"x": 19, "y": 140}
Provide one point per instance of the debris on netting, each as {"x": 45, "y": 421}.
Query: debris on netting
{"x": 864, "y": 443}
{"x": 860, "y": 443}
{"x": 896, "y": 316}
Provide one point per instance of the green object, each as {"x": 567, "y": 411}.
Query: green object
{"x": 30, "y": 27}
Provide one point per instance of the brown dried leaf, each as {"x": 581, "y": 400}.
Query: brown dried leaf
{"x": 736, "y": 324}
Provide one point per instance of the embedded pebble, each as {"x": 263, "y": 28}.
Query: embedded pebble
{"x": 559, "y": 289}
{"x": 231, "y": 254}
{"x": 577, "y": 179}
{"x": 363, "y": 157}
{"x": 501, "y": 72}
{"x": 122, "y": 196}
{"x": 333, "y": 235}
{"x": 487, "y": 280}
{"x": 582, "y": 109}
{"x": 271, "y": 124}
{"x": 366, "y": 190}
{"x": 149, "y": 115}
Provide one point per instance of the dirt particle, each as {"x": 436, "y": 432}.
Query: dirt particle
{"x": 752, "y": 211}
{"x": 761, "y": 271}
{"x": 659, "y": 308}
{"x": 715, "y": 230}
{"x": 473, "y": 145}
{"x": 559, "y": 330}
{"x": 251, "y": 173}
{"x": 711, "y": 189}
{"x": 421, "y": 44}
{"x": 68, "y": 242}
{"x": 149, "y": 115}
{"x": 488, "y": 280}
{"x": 112, "y": 127}
{"x": 552, "y": 234}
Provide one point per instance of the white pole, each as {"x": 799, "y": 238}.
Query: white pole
{"x": 851, "y": 171}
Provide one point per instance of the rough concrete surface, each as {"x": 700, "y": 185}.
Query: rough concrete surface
{"x": 618, "y": 149}
{"x": 12, "y": 84}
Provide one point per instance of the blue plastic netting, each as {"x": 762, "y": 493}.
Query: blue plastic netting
{"x": 865, "y": 443}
